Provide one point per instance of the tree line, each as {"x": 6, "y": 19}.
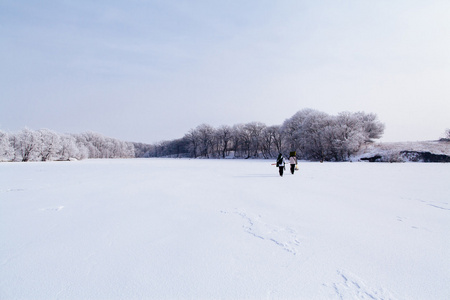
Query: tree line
{"x": 314, "y": 135}
{"x": 44, "y": 145}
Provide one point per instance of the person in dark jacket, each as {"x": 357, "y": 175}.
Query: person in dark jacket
{"x": 280, "y": 164}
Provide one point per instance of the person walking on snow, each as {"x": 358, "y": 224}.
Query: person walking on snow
{"x": 292, "y": 161}
{"x": 280, "y": 164}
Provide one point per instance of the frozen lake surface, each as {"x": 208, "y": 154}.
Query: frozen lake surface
{"x": 223, "y": 229}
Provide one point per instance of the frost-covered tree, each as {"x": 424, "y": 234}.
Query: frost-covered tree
{"x": 83, "y": 150}
{"x": 292, "y": 129}
{"x": 99, "y": 146}
{"x": 348, "y": 134}
{"x": 48, "y": 145}
{"x": 311, "y": 134}
{"x": 44, "y": 144}
{"x": 129, "y": 150}
{"x": 319, "y": 136}
{"x": 6, "y": 149}
{"x": 69, "y": 148}
{"x": 26, "y": 144}
{"x": 373, "y": 128}
{"x": 91, "y": 142}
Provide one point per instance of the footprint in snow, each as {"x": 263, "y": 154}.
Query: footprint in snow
{"x": 349, "y": 286}
{"x": 284, "y": 237}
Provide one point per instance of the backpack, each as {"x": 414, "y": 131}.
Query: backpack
{"x": 280, "y": 161}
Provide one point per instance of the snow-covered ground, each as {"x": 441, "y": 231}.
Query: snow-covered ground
{"x": 223, "y": 229}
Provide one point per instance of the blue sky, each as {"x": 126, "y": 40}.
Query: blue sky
{"x": 151, "y": 70}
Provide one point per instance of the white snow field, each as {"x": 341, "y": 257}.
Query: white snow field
{"x": 223, "y": 229}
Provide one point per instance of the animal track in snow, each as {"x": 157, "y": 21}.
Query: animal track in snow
{"x": 57, "y": 208}
{"x": 436, "y": 204}
{"x": 12, "y": 190}
{"x": 284, "y": 237}
{"x": 350, "y": 286}
{"x": 405, "y": 221}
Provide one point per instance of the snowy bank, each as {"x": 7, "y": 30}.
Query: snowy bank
{"x": 426, "y": 151}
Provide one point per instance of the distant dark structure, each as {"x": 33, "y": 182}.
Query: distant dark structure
{"x": 376, "y": 158}
{"x": 419, "y": 156}
{"x": 412, "y": 156}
